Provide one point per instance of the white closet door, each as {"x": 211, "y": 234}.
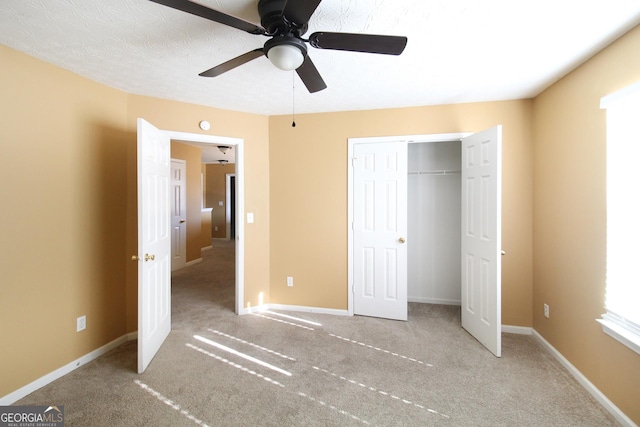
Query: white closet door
{"x": 380, "y": 230}
{"x": 481, "y": 236}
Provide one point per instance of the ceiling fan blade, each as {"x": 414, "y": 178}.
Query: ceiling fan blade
{"x": 299, "y": 11}
{"x": 369, "y": 43}
{"x": 232, "y": 63}
{"x": 212, "y": 14}
{"x": 310, "y": 76}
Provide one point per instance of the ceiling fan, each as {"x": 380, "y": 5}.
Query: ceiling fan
{"x": 285, "y": 22}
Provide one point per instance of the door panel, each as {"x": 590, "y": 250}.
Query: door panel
{"x": 380, "y": 227}
{"x": 481, "y": 237}
{"x": 154, "y": 242}
{"x": 178, "y": 214}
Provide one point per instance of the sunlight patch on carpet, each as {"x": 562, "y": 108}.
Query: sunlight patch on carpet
{"x": 389, "y": 352}
{"x": 334, "y": 408}
{"x": 235, "y": 365}
{"x": 298, "y": 319}
{"x": 259, "y": 347}
{"x": 242, "y": 355}
{"x": 170, "y": 403}
{"x": 283, "y": 321}
{"x": 381, "y": 392}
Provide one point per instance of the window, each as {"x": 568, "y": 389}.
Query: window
{"x": 622, "y": 317}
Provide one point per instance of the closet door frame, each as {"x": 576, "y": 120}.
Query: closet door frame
{"x": 411, "y": 139}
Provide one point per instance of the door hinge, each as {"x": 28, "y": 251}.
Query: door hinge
{"x": 353, "y": 162}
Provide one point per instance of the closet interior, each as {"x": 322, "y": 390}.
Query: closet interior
{"x": 433, "y": 215}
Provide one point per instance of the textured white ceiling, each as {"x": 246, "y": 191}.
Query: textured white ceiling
{"x": 458, "y": 50}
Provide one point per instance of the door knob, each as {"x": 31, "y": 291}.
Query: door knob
{"x": 183, "y": 220}
{"x": 503, "y": 253}
{"x": 402, "y": 240}
{"x": 135, "y": 258}
{"x": 148, "y": 257}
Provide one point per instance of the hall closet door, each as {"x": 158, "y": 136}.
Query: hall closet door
{"x": 434, "y": 223}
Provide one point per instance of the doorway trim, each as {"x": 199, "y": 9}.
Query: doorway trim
{"x": 238, "y": 143}
{"x": 422, "y": 138}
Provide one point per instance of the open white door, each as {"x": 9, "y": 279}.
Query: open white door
{"x": 380, "y": 230}
{"x": 154, "y": 241}
{"x": 481, "y": 236}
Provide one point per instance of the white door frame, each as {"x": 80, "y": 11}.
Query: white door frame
{"x": 442, "y": 137}
{"x": 238, "y": 143}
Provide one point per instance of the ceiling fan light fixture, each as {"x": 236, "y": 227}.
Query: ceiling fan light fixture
{"x": 285, "y": 52}
{"x": 286, "y": 57}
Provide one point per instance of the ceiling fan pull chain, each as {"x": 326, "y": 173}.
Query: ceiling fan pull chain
{"x": 293, "y": 100}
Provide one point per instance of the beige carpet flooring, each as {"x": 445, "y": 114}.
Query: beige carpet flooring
{"x": 302, "y": 369}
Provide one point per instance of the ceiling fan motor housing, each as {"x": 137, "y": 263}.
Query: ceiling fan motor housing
{"x": 274, "y": 22}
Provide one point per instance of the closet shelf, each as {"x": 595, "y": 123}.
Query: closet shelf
{"x": 435, "y": 172}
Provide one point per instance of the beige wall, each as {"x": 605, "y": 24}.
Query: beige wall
{"x": 570, "y": 221}
{"x": 63, "y": 189}
{"x": 69, "y": 226}
{"x": 217, "y": 192}
{"x": 205, "y": 237}
{"x": 309, "y": 196}
{"x": 193, "y": 157}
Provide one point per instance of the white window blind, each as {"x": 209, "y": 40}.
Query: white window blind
{"x": 622, "y": 304}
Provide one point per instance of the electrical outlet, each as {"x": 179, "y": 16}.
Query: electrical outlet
{"x": 81, "y": 323}
{"x": 215, "y": 228}
{"x": 289, "y": 281}
{"x": 546, "y": 311}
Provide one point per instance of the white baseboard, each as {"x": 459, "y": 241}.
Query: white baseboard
{"x": 193, "y": 262}
{"x": 256, "y": 309}
{"x": 60, "y": 372}
{"x": 302, "y": 309}
{"x": 588, "y": 385}
{"x": 520, "y": 330}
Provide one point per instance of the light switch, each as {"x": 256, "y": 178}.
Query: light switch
{"x": 220, "y": 203}
{"x": 250, "y": 218}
